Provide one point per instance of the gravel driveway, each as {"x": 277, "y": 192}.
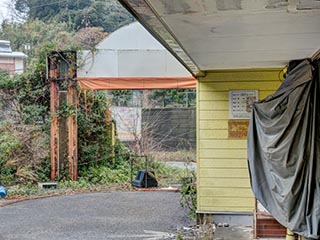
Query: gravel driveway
{"x": 112, "y": 215}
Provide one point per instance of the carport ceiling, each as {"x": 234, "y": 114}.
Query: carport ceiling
{"x": 232, "y": 34}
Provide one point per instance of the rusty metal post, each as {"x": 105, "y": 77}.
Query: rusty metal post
{"x": 52, "y": 75}
{"x": 72, "y": 123}
{"x": 61, "y": 72}
{"x": 63, "y": 136}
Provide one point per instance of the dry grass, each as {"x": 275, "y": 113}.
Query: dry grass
{"x": 177, "y": 156}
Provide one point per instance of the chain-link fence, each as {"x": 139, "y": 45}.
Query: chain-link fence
{"x": 153, "y": 98}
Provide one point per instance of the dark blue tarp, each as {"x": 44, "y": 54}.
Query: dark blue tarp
{"x": 284, "y": 151}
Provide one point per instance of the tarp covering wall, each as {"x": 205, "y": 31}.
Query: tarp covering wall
{"x": 284, "y": 151}
{"x": 138, "y": 83}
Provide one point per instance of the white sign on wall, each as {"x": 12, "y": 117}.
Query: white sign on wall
{"x": 128, "y": 122}
{"x": 240, "y": 103}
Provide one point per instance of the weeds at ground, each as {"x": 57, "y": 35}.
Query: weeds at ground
{"x": 188, "y": 197}
{"x": 100, "y": 179}
{"x": 175, "y": 156}
{"x": 198, "y": 232}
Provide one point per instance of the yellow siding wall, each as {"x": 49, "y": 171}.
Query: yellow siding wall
{"x": 223, "y": 177}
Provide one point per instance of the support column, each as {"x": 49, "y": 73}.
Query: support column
{"x": 72, "y": 125}
{"x": 61, "y": 72}
{"x": 54, "y": 130}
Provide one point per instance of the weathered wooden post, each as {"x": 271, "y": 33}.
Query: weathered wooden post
{"x": 61, "y": 73}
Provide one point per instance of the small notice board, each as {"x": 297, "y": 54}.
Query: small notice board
{"x": 240, "y": 103}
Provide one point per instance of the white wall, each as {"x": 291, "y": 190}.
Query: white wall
{"x": 19, "y": 65}
{"x": 130, "y": 51}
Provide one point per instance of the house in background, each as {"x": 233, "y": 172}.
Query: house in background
{"x": 236, "y": 50}
{"x": 14, "y": 62}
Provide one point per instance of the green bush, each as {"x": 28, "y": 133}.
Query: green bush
{"x": 80, "y": 184}
{"x": 9, "y": 144}
{"x": 22, "y": 150}
{"x": 188, "y": 197}
{"x": 106, "y": 175}
{"x": 26, "y": 189}
{"x": 94, "y": 135}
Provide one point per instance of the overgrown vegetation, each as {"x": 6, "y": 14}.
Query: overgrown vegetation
{"x": 78, "y": 14}
{"x": 176, "y": 156}
{"x": 188, "y": 198}
{"x": 24, "y": 101}
{"x": 24, "y": 140}
{"x": 21, "y": 154}
{"x": 94, "y": 133}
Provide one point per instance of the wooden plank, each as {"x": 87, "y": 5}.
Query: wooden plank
{"x": 264, "y": 94}
{"x": 224, "y": 209}
{"x": 225, "y": 183}
{"x": 214, "y": 96}
{"x": 267, "y": 85}
{"x": 223, "y": 173}
{"x": 223, "y": 163}
{"x": 214, "y": 105}
{"x": 213, "y": 124}
{"x": 223, "y": 153}
{"x": 223, "y": 177}
{"x": 223, "y": 144}
{"x": 211, "y": 95}
{"x": 213, "y": 134}
{"x": 228, "y": 202}
{"x": 226, "y": 192}
{"x": 227, "y": 76}
{"x": 214, "y": 115}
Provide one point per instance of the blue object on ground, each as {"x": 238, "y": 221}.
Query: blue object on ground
{"x": 3, "y": 192}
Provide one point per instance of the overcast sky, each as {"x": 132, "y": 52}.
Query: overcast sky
{"x": 3, "y": 9}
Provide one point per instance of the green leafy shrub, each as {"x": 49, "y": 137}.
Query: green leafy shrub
{"x": 94, "y": 135}
{"x": 188, "y": 197}
{"x": 80, "y": 184}
{"x": 106, "y": 175}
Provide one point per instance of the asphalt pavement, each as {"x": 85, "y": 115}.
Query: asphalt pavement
{"x": 95, "y": 216}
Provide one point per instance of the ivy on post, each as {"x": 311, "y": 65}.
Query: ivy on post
{"x": 61, "y": 73}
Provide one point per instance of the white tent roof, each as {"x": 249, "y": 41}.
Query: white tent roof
{"x": 232, "y": 34}
{"x": 131, "y": 51}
